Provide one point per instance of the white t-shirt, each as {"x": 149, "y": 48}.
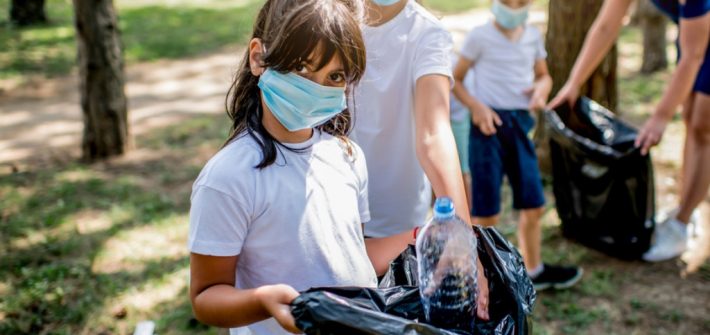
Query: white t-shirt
{"x": 503, "y": 69}
{"x": 296, "y": 222}
{"x": 411, "y": 45}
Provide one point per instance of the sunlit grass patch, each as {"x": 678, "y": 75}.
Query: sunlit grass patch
{"x": 150, "y": 30}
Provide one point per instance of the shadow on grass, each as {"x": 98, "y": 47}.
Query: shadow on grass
{"x": 76, "y": 239}
{"x": 148, "y": 33}
{"x": 52, "y": 280}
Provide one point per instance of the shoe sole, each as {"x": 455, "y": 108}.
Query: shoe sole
{"x": 662, "y": 259}
{"x": 560, "y": 286}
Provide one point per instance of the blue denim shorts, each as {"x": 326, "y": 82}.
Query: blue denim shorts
{"x": 511, "y": 153}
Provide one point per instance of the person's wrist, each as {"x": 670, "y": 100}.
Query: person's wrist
{"x": 663, "y": 114}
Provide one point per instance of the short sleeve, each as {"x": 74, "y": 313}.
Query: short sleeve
{"x": 471, "y": 48}
{"x": 433, "y": 54}
{"x": 540, "y": 52}
{"x": 218, "y": 222}
{"x": 362, "y": 197}
{"x": 694, "y": 8}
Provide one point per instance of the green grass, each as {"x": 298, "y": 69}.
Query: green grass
{"x": 96, "y": 249}
{"x": 149, "y": 32}
{"x": 453, "y": 6}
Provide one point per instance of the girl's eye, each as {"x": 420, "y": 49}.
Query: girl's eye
{"x": 301, "y": 69}
{"x": 337, "y": 77}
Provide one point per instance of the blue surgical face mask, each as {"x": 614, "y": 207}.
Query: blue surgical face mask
{"x": 507, "y": 17}
{"x": 385, "y": 2}
{"x": 299, "y": 103}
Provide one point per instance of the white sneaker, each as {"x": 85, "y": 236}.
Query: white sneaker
{"x": 694, "y": 226}
{"x": 671, "y": 241}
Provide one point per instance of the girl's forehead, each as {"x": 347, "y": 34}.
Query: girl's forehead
{"x": 315, "y": 57}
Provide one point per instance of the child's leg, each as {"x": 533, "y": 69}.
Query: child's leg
{"x": 467, "y": 185}
{"x": 486, "y": 171}
{"x": 524, "y": 176}
{"x": 530, "y": 237}
{"x": 462, "y": 130}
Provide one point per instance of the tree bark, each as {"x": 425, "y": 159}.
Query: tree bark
{"x": 653, "y": 26}
{"x": 27, "y": 12}
{"x": 568, "y": 24}
{"x": 103, "y": 99}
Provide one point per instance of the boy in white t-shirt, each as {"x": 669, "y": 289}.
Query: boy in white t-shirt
{"x": 511, "y": 81}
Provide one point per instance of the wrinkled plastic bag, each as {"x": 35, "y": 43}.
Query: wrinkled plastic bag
{"x": 603, "y": 186}
{"x": 395, "y": 307}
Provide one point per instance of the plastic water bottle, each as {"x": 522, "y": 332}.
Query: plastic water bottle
{"x": 447, "y": 255}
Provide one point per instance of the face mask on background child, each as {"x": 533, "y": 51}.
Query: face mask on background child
{"x": 508, "y": 17}
{"x": 385, "y": 2}
{"x": 299, "y": 103}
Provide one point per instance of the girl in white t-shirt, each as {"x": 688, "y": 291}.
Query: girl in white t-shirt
{"x": 279, "y": 209}
{"x": 402, "y": 124}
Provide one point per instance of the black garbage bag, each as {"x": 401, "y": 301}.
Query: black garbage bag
{"x": 395, "y": 307}
{"x": 603, "y": 186}
{"x": 403, "y": 270}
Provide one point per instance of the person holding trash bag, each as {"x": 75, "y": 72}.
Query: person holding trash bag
{"x": 511, "y": 82}
{"x": 279, "y": 209}
{"x": 689, "y": 86}
{"x": 401, "y": 121}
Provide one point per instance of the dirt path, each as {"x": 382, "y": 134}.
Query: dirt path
{"x": 42, "y": 121}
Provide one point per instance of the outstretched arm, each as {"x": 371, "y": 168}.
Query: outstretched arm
{"x": 600, "y": 38}
{"x": 435, "y": 145}
{"x": 694, "y": 35}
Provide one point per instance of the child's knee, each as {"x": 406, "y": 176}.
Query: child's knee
{"x": 531, "y": 216}
{"x": 487, "y": 221}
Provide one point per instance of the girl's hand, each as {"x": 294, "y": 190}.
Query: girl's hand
{"x": 567, "y": 94}
{"x": 486, "y": 120}
{"x": 537, "y": 100}
{"x": 482, "y": 300}
{"x": 276, "y": 299}
{"x": 651, "y": 133}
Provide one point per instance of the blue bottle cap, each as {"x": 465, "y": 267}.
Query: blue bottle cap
{"x": 443, "y": 208}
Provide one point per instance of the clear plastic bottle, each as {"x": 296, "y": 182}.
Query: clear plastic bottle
{"x": 447, "y": 259}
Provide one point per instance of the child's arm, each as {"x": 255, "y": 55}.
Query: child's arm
{"x": 599, "y": 40}
{"x": 483, "y": 117}
{"x": 215, "y": 300}
{"x": 540, "y": 90}
{"x": 434, "y": 143}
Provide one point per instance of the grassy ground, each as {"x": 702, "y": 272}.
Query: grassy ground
{"x": 95, "y": 249}
{"x": 151, "y": 29}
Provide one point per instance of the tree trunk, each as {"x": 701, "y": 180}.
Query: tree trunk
{"x": 568, "y": 24}
{"x": 653, "y": 26}
{"x": 103, "y": 99}
{"x": 27, "y": 12}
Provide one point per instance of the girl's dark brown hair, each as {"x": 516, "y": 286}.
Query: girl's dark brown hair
{"x": 291, "y": 30}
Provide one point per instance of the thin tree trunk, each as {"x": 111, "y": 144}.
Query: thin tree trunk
{"x": 27, "y": 12}
{"x": 568, "y": 24}
{"x": 103, "y": 99}
{"x": 653, "y": 26}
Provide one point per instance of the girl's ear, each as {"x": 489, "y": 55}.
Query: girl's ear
{"x": 256, "y": 55}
